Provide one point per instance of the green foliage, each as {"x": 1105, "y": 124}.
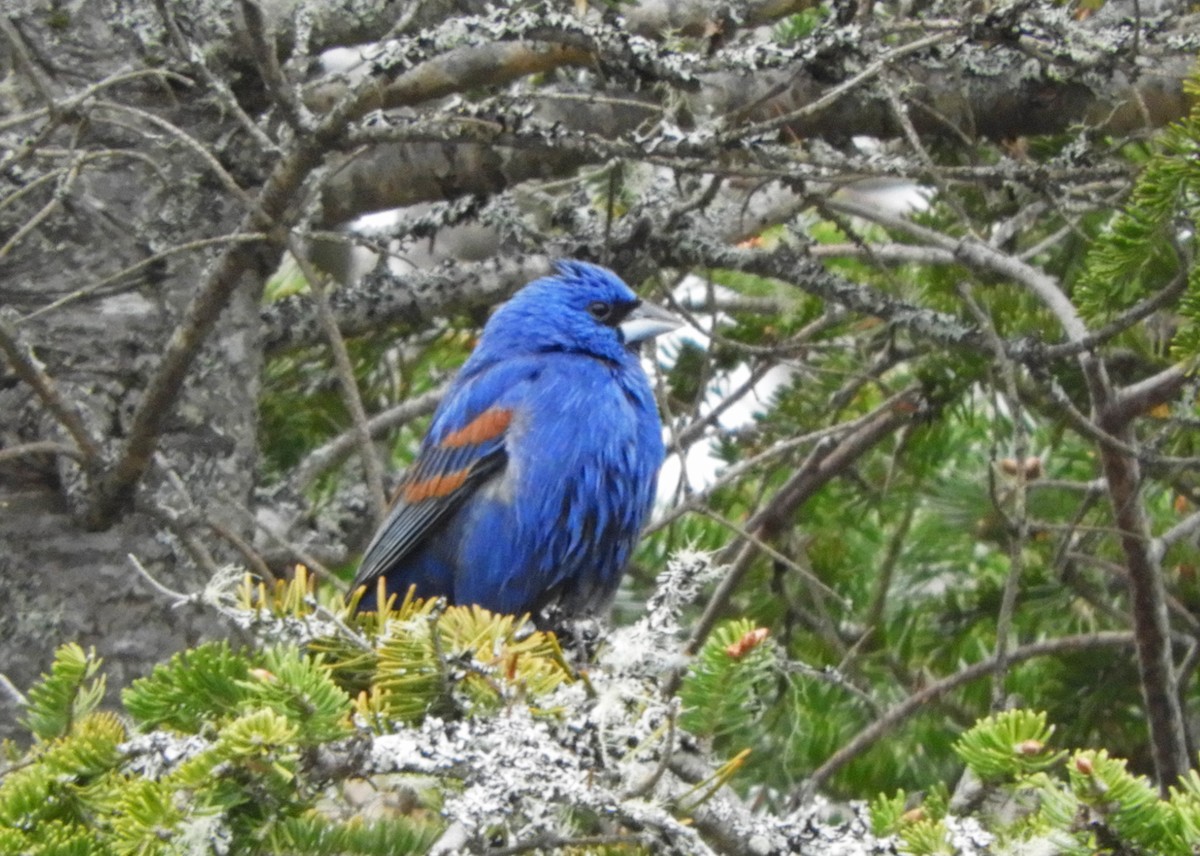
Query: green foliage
{"x": 314, "y": 835}
{"x": 723, "y": 695}
{"x": 888, "y": 812}
{"x": 925, "y": 837}
{"x": 147, "y": 817}
{"x": 1082, "y": 803}
{"x": 248, "y": 779}
{"x": 230, "y": 683}
{"x": 462, "y": 659}
{"x": 49, "y": 804}
{"x": 1155, "y": 237}
{"x": 800, "y": 25}
{"x": 1127, "y": 805}
{"x": 1008, "y": 744}
{"x": 233, "y": 735}
{"x": 414, "y": 658}
{"x": 71, "y": 689}
{"x": 243, "y": 778}
{"x": 910, "y": 552}
{"x": 1187, "y": 341}
{"x": 167, "y": 697}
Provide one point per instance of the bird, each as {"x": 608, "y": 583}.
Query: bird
{"x": 539, "y": 469}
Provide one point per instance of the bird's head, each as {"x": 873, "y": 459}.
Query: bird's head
{"x": 584, "y": 309}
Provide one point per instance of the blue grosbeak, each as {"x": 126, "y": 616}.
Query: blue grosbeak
{"x": 539, "y": 468}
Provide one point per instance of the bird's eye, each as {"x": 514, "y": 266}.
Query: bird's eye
{"x": 600, "y": 310}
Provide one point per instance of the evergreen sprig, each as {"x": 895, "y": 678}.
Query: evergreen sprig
{"x": 314, "y": 835}
{"x": 1156, "y": 234}
{"x": 71, "y": 688}
{"x": 1042, "y": 801}
{"x": 723, "y": 692}
{"x": 1124, "y": 806}
{"x": 1008, "y": 744}
{"x": 461, "y": 659}
{"x": 168, "y": 697}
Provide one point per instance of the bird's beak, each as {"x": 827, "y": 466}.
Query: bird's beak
{"x": 646, "y": 322}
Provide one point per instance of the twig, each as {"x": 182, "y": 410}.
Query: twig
{"x": 21, "y": 51}
{"x": 28, "y": 369}
{"x": 980, "y": 255}
{"x": 694, "y": 430}
{"x": 914, "y": 703}
{"x": 1139, "y": 398}
{"x": 835, "y": 678}
{"x": 73, "y": 103}
{"x": 821, "y": 467}
{"x": 900, "y": 111}
{"x": 253, "y": 558}
{"x": 281, "y": 92}
{"x": 1185, "y": 528}
{"x": 195, "y": 58}
{"x": 330, "y": 454}
{"x": 200, "y": 244}
{"x": 1103, "y": 438}
{"x": 207, "y": 157}
{"x": 749, "y": 537}
{"x": 175, "y": 597}
{"x": 39, "y": 447}
{"x": 66, "y": 181}
{"x": 345, "y": 376}
{"x": 1122, "y": 322}
{"x": 298, "y": 553}
{"x": 747, "y": 465}
{"x": 741, "y": 132}
{"x": 11, "y": 690}
{"x": 883, "y": 578}
{"x": 1018, "y": 517}
{"x": 549, "y": 843}
{"x": 645, "y": 787}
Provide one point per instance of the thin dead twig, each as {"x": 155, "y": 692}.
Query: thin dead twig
{"x": 345, "y": 376}
{"x": 30, "y": 370}
{"x": 914, "y": 703}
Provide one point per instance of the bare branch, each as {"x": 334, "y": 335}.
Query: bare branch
{"x": 346, "y": 381}
{"x": 1017, "y": 518}
{"x": 835, "y": 93}
{"x": 281, "y": 91}
{"x": 41, "y": 447}
{"x": 29, "y": 370}
{"x": 195, "y": 58}
{"x": 111, "y": 279}
{"x": 935, "y": 690}
{"x": 325, "y": 457}
{"x": 1141, "y": 397}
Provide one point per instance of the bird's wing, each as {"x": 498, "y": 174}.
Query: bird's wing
{"x": 465, "y": 447}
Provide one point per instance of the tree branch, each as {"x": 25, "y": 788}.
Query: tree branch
{"x": 823, "y": 465}
{"x": 27, "y": 368}
{"x": 933, "y": 691}
{"x": 325, "y": 457}
{"x": 346, "y": 381}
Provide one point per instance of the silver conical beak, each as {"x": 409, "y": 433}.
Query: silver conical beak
{"x": 647, "y": 321}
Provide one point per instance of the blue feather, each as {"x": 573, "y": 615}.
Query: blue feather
{"x": 539, "y": 469}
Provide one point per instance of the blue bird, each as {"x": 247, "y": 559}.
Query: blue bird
{"x": 539, "y": 469}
